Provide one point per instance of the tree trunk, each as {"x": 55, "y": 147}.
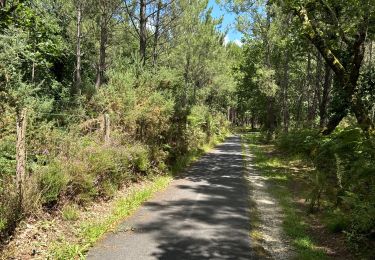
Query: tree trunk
{"x": 347, "y": 73}
{"x": 3, "y": 3}
{"x": 142, "y": 30}
{"x": 325, "y": 95}
{"x": 370, "y": 54}
{"x": 316, "y": 97}
{"x": 103, "y": 46}
{"x": 304, "y": 92}
{"x": 33, "y": 72}
{"x": 270, "y": 118}
{"x": 21, "y": 153}
{"x": 106, "y": 128}
{"x": 156, "y": 35}
{"x": 308, "y": 86}
{"x": 78, "y": 80}
{"x": 285, "y": 94}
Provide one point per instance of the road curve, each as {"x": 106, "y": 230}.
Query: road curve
{"x": 202, "y": 215}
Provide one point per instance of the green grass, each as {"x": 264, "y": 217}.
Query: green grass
{"x": 70, "y": 213}
{"x": 278, "y": 173}
{"x": 90, "y": 232}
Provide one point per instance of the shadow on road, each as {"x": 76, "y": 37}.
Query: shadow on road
{"x": 214, "y": 222}
{"x": 202, "y": 215}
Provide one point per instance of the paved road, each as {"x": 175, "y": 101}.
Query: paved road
{"x": 203, "y": 215}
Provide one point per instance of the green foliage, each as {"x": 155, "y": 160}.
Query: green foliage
{"x": 159, "y": 113}
{"x": 337, "y": 221}
{"x": 140, "y": 158}
{"x": 344, "y": 177}
{"x": 299, "y": 142}
{"x": 9, "y": 210}
{"x": 70, "y": 213}
{"x": 52, "y": 182}
{"x": 7, "y": 156}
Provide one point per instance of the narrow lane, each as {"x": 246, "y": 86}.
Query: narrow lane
{"x": 203, "y": 215}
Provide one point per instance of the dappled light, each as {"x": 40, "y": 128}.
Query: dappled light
{"x": 257, "y": 117}
{"x": 203, "y": 215}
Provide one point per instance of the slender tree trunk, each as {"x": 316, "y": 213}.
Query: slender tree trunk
{"x": 187, "y": 80}
{"x": 106, "y": 128}
{"x": 304, "y": 92}
{"x": 142, "y": 30}
{"x": 21, "y": 153}
{"x": 78, "y": 80}
{"x": 3, "y": 3}
{"x": 156, "y": 35}
{"x": 370, "y": 54}
{"x": 285, "y": 94}
{"x": 325, "y": 96}
{"x": 308, "y": 85}
{"x": 33, "y": 72}
{"x": 100, "y": 76}
{"x": 270, "y": 118}
{"x": 316, "y": 97}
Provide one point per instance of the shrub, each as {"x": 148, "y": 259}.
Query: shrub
{"x": 139, "y": 158}
{"x": 52, "y": 182}
{"x": 336, "y": 220}
{"x": 81, "y": 183}
{"x": 302, "y": 142}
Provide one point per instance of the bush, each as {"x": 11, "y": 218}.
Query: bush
{"x": 52, "y": 182}
{"x": 81, "y": 183}
{"x": 336, "y": 221}
{"x": 139, "y": 158}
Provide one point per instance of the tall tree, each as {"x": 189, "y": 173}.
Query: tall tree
{"x": 344, "y": 54}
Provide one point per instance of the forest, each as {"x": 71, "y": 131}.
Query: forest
{"x": 96, "y": 95}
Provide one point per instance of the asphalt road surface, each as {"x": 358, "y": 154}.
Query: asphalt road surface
{"x": 202, "y": 215}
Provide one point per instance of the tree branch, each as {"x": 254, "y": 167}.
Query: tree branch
{"x": 315, "y": 37}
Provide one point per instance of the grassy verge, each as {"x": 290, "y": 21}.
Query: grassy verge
{"x": 281, "y": 174}
{"x": 92, "y": 230}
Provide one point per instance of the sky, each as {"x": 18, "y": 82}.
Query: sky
{"x": 228, "y": 22}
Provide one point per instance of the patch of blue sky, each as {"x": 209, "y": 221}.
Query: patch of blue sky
{"x": 229, "y": 22}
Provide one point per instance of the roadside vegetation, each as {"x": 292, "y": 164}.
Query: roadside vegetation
{"x": 92, "y": 105}
{"x": 306, "y": 81}
{"x": 98, "y": 96}
{"x": 318, "y": 230}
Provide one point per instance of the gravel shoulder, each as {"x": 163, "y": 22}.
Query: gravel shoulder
{"x": 267, "y": 235}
